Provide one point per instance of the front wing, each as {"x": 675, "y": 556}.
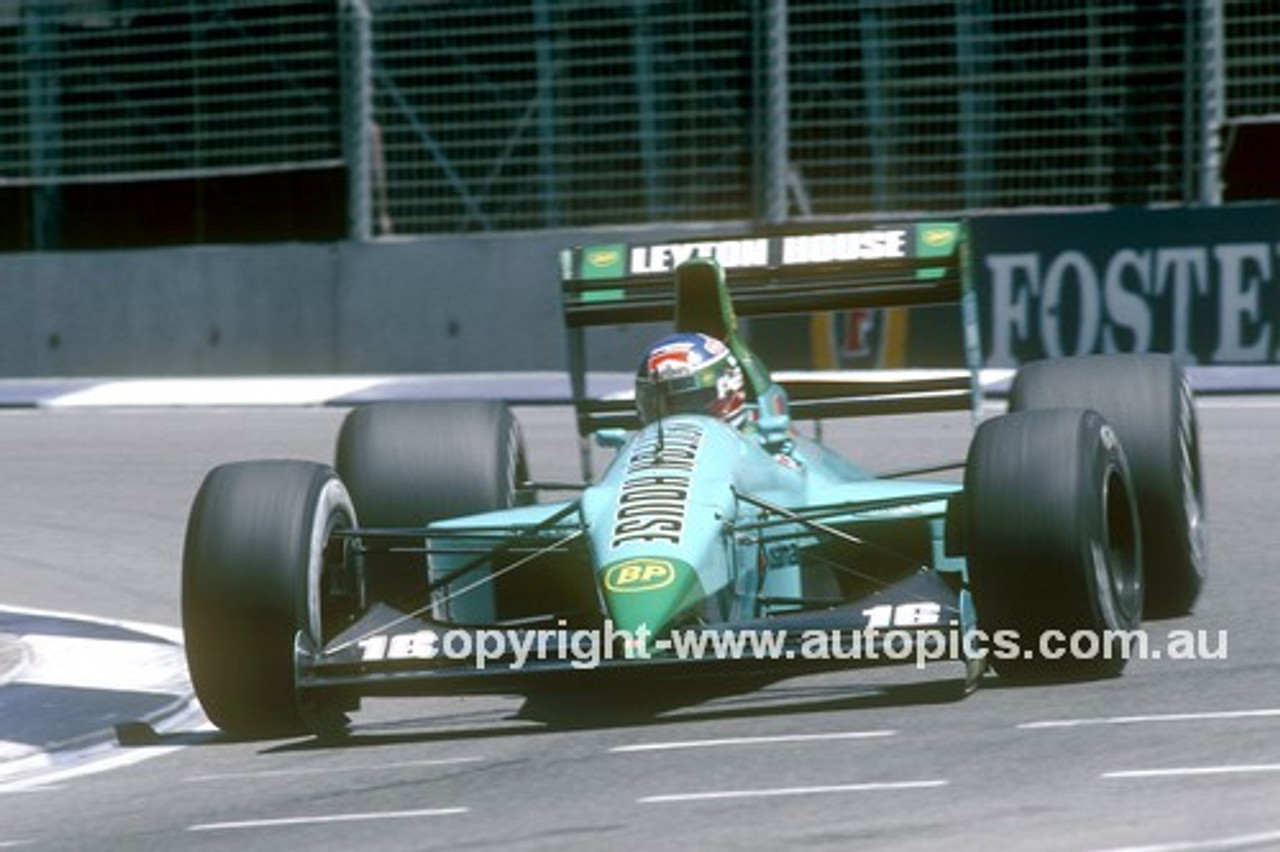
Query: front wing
{"x": 915, "y": 621}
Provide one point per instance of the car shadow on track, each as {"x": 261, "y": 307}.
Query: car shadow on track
{"x": 584, "y": 710}
{"x": 569, "y": 711}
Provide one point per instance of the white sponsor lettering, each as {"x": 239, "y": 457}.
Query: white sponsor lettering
{"x": 1127, "y": 278}
{"x": 1071, "y": 269}
{"x": 1014, "y": 277}
{"x": 731, "y": 254}
{"x": 852, "y": 245}
{"x": 897, "y": 634}
{"x": 1245, "y": 270}
{"x": 654, "y": 497}
{"x": 1069, "y": 303}
{"x": 1184, "y": 271}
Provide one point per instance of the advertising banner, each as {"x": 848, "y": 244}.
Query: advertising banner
{"x": 1200, "y": 284}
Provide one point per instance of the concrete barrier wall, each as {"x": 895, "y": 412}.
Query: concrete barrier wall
{"x": 445, "y": 304}
{"x": 1199, "y": 283}
{"x": 460, "y": 305}
{"x": 200, "y": 310}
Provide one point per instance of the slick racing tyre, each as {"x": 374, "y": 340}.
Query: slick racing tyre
{"x": 1053, "y": 542}
{"x": 254, "y": 575}
{"x": 1147, "y": 400}
{"x": 410, "y": 463}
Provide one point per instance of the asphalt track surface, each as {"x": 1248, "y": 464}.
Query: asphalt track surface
{"x": 1174, "y": 755}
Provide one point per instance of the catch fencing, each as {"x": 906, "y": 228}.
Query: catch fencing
{"x": 456, "y": 116}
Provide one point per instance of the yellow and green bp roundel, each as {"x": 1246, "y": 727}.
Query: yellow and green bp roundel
{"x": 649, "y": 591}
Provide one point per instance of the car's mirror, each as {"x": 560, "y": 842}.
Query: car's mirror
{"x": 611, "y": 439}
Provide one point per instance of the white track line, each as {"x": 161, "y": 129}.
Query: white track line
{"x": 1239, "y": 402}
{"x": 1222, "y": 844}
{"x": 737, "y": 741}
{"x": 200, "y": 391}
{"x": 714, "y": 795}
{"x": 160, "y": 631}
{"x": 1218, "y": 716}
{"x": 329, "y": 770}
{"x": 327, "y": 819}
{"x": 1190, "y": 771}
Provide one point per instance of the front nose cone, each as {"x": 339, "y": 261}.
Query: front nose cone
{"x": 646, "y": 595}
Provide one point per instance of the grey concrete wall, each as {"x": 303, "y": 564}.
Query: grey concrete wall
{"x": 485, "y": 303}
{"x": 443, "y": 304}
{"x": 462, "y": 304}
{"x": 200, "y": 310}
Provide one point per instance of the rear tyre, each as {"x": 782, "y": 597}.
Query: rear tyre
{"x": 410, "y": 463}
{"x": 1053, "y": 543}
{"x": 254, "y": 575}
{"x": 1147, "y": 400}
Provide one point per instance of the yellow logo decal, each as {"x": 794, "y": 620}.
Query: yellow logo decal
{"x": 639, "y": 575}
{"x": 603, "y": 258}
{"x": 939, "y": 237}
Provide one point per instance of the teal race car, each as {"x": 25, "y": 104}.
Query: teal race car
{"x": 720, "y": 545}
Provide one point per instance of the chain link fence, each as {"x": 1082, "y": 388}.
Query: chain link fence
{"x": 135, "y": 90}
{"x": 547, "y": 113}
{"x": 475, "y": 115}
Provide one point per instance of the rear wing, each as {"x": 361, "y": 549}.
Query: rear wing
{"x": 916, "y": 264}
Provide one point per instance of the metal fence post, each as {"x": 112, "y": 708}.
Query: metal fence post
{"x": 44, "y": 124}
{"x": 548, "y": 162}
{"x": 973, "y": 59}
{"x": 1212, "y": 99}
{"x": 873, "y": 39}
{"x": 776, "y": 132}
{"x": 358, "y": 124}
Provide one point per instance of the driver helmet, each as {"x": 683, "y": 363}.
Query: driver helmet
{"x": 690, "y": 373}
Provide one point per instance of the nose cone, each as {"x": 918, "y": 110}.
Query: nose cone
{"x": 646, "y": 595}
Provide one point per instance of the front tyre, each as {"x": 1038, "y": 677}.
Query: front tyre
{"x": 409, "y": 463}
{"x": 1054, "y": 545}
{"x": 1146, "y": 398}
{"x": 254, "y": 575}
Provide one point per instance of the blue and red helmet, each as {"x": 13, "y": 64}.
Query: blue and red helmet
{"x": 690, "y": 373}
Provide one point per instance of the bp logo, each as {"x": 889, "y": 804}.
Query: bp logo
{"x": 936, "y": 240}
{"x": 604, "y": 258}
{"x": 640, "y": 575}
{"x": 603, "y": 262}
{"x": 939, "y": 237}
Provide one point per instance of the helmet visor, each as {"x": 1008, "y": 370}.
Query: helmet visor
{"x": 681, "y": 395}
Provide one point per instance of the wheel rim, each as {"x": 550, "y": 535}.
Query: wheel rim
{"x": 333, "y": 510}
{"x": 1122, "y": 578}
{"x": 1192, "y": 485}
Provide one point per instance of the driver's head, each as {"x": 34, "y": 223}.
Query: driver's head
{"x": 690, "y": 373}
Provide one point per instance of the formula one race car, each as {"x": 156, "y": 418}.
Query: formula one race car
{"x": 423, "y": 564}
